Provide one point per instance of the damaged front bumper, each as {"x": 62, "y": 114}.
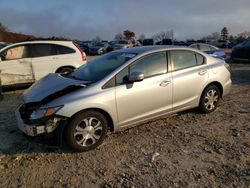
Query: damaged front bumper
{"x": 34, "y": 129}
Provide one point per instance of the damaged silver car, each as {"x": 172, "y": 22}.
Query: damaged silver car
{"x": 122, "y": 89}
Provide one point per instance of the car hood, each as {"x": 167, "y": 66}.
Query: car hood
{"x": 50, "y": 87}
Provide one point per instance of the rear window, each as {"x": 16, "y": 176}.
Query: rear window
{"x": 184, "y": 59}
{"x": 64, "y": 50}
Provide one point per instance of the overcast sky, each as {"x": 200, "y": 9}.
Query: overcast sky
{"x": 86, "y": 19}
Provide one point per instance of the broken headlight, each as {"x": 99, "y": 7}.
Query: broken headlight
{"x": 44, "y": 112}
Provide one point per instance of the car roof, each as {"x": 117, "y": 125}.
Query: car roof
{"x": 42, "y": 41}
{"x": 145, "y": 49}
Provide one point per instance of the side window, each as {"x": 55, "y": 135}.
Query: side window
{"x": 63, "y": 50}
{"x": 200, "y": 59}
{"x": 150, "y": 65}
{"x": 41, "y": 50}
{"x": 183, "y": 59}
{"x": 204, "y": 47}
{"x": 16, "y": 52}
{"x": 121, "y": 76}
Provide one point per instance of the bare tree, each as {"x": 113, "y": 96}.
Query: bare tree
{"x": 118, "y": 36}
{"x": 3, "y": 28}
{"x": 164, "y": 35}
{"x": 245, "y": 34}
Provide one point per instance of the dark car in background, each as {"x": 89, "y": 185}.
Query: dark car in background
{"x": 148, "y": 42}
{"x": 180, "y": 43}
{"x": 210, "y": 50}
{"x": 241, "y": 52}
{"x": 84, "y": 46}
{"x": 167, "y": 42}
{"x": 98, "y": 48}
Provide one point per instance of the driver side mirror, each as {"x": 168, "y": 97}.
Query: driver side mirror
{"x": 136, "y": 77}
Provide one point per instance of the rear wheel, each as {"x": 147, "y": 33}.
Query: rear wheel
{"x": 209, "y": 99}
{"x": 86, "y": 131}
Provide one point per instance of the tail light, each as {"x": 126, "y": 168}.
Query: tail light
{"x": 84, "y": 57}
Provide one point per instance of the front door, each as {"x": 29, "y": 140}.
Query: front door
{"x": 148, "y": 98}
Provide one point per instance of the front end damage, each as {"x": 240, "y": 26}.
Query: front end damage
{"x": 33, "y": 117}
{"x": 37, "y": 126}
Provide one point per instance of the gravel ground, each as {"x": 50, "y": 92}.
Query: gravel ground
{"x": 184, "y": 150}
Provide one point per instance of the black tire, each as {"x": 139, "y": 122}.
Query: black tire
{"x": 209, "y": 104}
{"x": 78, "y": 121}
{"x": 65, "y": 70}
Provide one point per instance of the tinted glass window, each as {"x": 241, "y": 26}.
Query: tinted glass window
{"x": 63, "y": 50}
{"x": 204, "y": 47}
{"x": 200, "y": 59}
{"x": 16, "y": 52}
{"x": 102, "y": 66}
{"x": 120, "y": 77}
{"x": 151, "y": 65}
{"x": 183, "y": 59}
{"x": 41, "y": 50}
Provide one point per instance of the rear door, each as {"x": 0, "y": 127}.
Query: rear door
{"x": 190, "y": 74}
{"x": 48, "y": 58}
{"x": 15, "y": 66}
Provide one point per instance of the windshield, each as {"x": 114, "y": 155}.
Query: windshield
{"x": 102, "y": 66}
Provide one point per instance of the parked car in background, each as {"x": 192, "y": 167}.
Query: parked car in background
{"x": 84, "y": 46}
{"x": 121, "y": 44}
{"x": 167, "y": 42}
{"x": 148, "y": 42}
{"x": 27, "y": 62}
{"x": 122, "y": 89}
{"x": 180, "y": 43}
{"x": 210, "y": 50}
{"x": 221, "y": 43}
{"x": 111, "y": 45}
{"x": 98, "y": 48}
{"x": 241, "y": 52}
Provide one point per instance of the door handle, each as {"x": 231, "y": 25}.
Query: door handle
{"x": 202, "y": 72}
{"x": 165, "y": 83}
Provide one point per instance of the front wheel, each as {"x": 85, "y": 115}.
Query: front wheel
{"x": 209, "y": 99}
{"x": 86, "y": 131}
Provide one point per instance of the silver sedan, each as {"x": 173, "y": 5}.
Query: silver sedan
{"x": 122, "y": 89}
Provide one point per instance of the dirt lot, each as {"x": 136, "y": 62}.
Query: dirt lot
{"x": 185, "y": 150}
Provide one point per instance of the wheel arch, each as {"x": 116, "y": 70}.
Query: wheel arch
{"x": 217, "y": 84}
{"x": 65, "y": 66}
